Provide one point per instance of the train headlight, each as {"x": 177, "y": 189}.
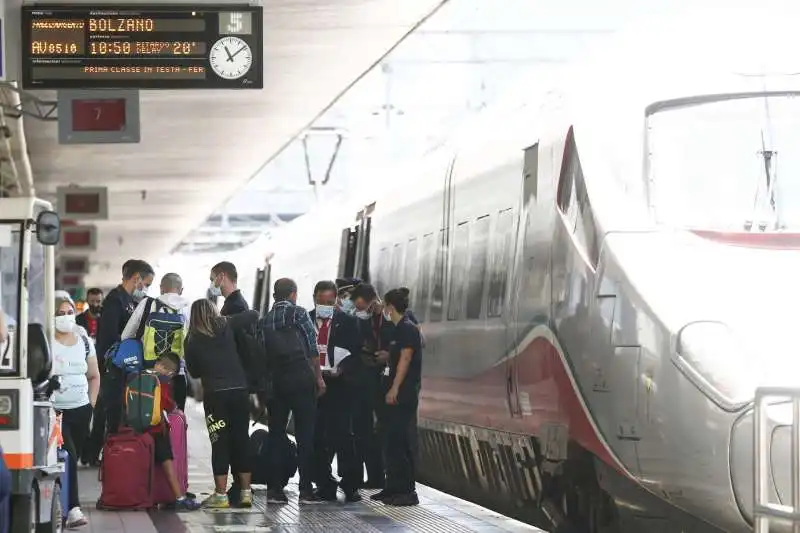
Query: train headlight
{"x": 709, "y": 354}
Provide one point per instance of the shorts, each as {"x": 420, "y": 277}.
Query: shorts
{"x": 162, "y": 449}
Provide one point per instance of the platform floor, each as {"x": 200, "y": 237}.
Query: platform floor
{"x": 437, "y": 512}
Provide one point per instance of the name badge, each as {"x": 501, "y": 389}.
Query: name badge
{"x": 386, "y": 371}
{"x": 322, "y": 348}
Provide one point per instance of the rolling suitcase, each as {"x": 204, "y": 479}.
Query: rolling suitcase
{"x": 126, "y": 471}
{"x": 63, "y": 457}
{"x": 177, "y": 438}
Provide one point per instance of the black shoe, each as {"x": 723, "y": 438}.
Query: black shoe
{"x": 352, "y": 496}
{"x": 326, "y": 495}
{"x": 403, "y": 500}
{"x": 310, "y": 496}
{"x": 380, "y": 496}
{"x": 276, "y": 496}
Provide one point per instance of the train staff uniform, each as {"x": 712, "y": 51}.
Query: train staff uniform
{"x": 119, "y": 305}
{"x": 376, "y": 334}
{"x": 402, "y": 400}
{"x": 337, "y": 335}
{"x": 345, "y": 286}
{"x": 288, "y": 337}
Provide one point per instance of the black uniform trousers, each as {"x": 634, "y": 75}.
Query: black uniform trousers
{"x": 334, "y": 436}
{"x": 401, "y": 447}
{"x": 368, "y": 426}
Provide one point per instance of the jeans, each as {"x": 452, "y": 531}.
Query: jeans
{"x": 74, "y": 429}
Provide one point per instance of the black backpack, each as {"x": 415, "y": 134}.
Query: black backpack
{"x": 285, "y": 345}
{"x": 257, "y": 363}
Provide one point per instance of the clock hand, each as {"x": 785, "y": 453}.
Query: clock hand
{"x": 237, "y": 51}
{"x": 230, "y": 57}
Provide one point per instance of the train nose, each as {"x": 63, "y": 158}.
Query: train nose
{"x": 779, "y": 461}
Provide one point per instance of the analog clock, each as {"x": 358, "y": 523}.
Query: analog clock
{"x": 231, "y": 58}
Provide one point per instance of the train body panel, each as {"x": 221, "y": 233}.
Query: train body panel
{"x": 586, "y": 341}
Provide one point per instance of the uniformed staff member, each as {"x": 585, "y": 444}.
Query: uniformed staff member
{"x": 336, "y": 330}
{"x": 402, "y": 400}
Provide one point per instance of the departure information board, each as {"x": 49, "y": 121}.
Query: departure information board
{"x": 142, "y": 46}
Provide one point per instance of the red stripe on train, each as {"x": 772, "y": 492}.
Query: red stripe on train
{"x": 779, "y": 241}
{"x": 482, "y": 400}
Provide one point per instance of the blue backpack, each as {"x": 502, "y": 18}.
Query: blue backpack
{"x": 127, "y": 355}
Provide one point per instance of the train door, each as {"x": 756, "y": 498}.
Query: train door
{"x": 361, "y": 266}
{"x": 259, "y": 290}
{"x": 519, "y": 315}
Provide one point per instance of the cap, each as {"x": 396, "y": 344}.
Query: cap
{"x": 345, "y": 284}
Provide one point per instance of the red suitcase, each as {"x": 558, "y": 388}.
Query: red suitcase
{"x": 177, "y": 438}
{"x": 126, "y": 472}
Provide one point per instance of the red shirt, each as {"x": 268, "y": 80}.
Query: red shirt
{"x": 92, "y": 322}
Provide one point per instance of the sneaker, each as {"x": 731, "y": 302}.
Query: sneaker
{"x": 216, "y": 501}
{"x": 187, "y": 504}
{"x": 403, "y": 500}
{"x": 246, "y": 498}
{"x": 276, "y": 496}
{"x": 75, "y": 518}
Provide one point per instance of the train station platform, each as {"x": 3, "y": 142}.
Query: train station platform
{"x": 437, "y": 512}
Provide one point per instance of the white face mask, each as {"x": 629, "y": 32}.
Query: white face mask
{"x": 324, "y": 311}
{"x": 387, "y": 315}
{"x": 65, "y": 323}
{"x": 363, "y": 315}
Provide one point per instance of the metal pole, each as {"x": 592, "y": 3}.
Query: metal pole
{"x": 795, "y": 461}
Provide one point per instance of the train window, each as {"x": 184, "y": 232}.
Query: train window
{"x": 428, "y": 250}
{"x": 478, "y": 251}
{"x": 459, "y": 273}
{"x": 437, "y": 294}
{"x": 573, "y": 200}
{"x": 409, "y": 278}
{"x": 397, "y": 266}
{"x": 500, "y": 262}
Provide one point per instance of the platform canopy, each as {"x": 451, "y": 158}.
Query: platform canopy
{"x": 198, "y": 147}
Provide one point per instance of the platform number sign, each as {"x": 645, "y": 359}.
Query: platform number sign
{"x": 7, "y": 352}
{"x": 235, "y": 23}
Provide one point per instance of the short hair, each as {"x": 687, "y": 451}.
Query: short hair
{"x": 283, "y": 288}
{"x": 227, "y": 268}
{"x": 324, "y": 285}
{"x": 171, "y": 281}
{"x": 398, "y": 298}
{"x": 170, "y": 360}
{"x": 364, "y": 291}
{"x": 94, "y": 290}
{"x": 137, "y": 266}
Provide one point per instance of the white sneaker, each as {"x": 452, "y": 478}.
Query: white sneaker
{"x": 75, "y": 518}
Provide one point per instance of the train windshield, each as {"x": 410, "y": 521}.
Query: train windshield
{"x": 727, "y": 163}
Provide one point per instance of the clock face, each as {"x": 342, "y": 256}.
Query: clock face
{"x": 231, "y": 58}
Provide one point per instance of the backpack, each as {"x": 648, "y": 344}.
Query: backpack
{"x": 143, "y": 401}
{"x": 256, "y": 362}
{"x": 162, "y": 330}
{"x": 285, "y": 346}
{"x": 127, "y": 355}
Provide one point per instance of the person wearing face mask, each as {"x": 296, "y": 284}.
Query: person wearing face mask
{"x": 75, "y": 361}
{"x": 118, "y": 306}
{"x": 402, "y": 401}
{"x": 345, "y": 288}
{"x": 223, "y": 283}
{"x": 336, "y": 330}
{"x": 90, "y": 319}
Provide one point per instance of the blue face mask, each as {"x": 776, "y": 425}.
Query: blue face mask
{"x": 324, "y": 311}
{"x": 348, "y": 306}
{"x": 139, "y": 294}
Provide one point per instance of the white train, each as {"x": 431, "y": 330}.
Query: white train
{"x": 604, "y": 279}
